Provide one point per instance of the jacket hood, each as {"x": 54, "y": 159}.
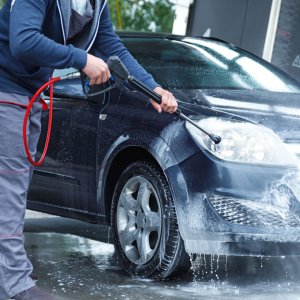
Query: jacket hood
{"x": 86, "y": 38}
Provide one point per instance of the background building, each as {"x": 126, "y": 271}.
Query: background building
{"x": 268, "y": 28}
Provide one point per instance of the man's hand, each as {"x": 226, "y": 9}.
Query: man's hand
{"x": 96, "y": 69}
{"x": 168, "y": 101}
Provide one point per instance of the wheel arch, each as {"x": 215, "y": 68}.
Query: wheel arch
{"x": 121, "y": 160}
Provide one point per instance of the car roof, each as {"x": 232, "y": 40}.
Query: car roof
{"x": 169, "y": 36}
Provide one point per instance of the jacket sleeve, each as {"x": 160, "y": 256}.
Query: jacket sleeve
{"x": 107, "y": 43}
{"x": 28, "y": 44}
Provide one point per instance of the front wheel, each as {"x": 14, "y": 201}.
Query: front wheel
{"x": 144, "y": 224}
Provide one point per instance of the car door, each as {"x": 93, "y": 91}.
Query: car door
{"x": 67, "y": 178}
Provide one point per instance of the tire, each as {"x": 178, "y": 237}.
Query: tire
{"x": 144, "y": 224}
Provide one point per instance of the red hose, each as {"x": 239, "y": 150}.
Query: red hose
{"x": 31, "y": 102}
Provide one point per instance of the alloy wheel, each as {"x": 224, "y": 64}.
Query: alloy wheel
{"x": 139, "y": 220}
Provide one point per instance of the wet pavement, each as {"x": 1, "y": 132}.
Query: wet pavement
{"x": 74, "y": 261}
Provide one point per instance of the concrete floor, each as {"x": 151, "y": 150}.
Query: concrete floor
{"x": 74, "y": 261}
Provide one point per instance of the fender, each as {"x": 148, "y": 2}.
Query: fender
{"x": 157, "y": 148}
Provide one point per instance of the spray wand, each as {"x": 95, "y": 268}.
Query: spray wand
{"x": 118, "y": 69}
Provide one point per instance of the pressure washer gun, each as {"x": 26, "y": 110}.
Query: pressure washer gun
{"x": 120, "y": 72}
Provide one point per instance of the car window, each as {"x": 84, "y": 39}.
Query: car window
{"x": 202, "y": 64}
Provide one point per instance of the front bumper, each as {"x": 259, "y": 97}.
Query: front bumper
{"x": 242, "y": 248}
{"x": 236, "y": 211}
{"x": 228, "y": 226}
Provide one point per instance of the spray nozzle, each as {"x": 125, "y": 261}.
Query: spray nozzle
{"x": 215, "y": 138}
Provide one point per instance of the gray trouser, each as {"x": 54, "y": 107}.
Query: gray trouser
{"x": 15, "y": 174}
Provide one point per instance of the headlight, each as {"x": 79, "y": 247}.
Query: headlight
{"x": 242, "y": 142}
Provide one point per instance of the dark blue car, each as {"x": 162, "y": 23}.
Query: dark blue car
{"x": 161, "y": 184}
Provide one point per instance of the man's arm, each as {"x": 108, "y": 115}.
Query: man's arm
{"x": 28, "y": 44}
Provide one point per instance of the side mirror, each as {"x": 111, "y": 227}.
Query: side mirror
{"x": 70, "y": 88}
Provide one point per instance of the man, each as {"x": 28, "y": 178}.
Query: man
{"x": 37, "y": 36}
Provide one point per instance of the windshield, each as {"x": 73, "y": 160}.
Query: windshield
{"x": 203, "y": 64}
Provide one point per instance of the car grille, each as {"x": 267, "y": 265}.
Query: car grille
{"x": 251, "y": 213}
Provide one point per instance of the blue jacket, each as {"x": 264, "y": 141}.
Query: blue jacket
{"x": 33, "y": 43}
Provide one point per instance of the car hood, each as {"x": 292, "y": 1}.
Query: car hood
{"x": 277, "y": 111}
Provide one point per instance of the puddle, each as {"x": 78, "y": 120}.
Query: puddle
{"x": 73, "y": 267}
